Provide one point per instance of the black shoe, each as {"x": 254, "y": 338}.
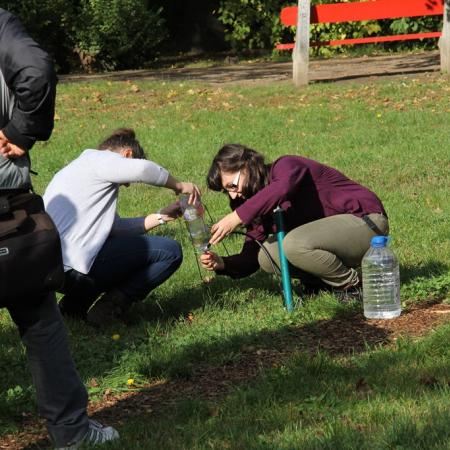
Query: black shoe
{"x": 71, "y": 308}
{"x": 311, "y": 289}
{"x": 110, "y": 307}
{"x": 349, "y": 294}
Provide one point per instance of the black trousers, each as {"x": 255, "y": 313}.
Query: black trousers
{"x": 61, "y": 396}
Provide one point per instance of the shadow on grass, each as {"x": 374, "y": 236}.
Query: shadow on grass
{"x": 195, "y": 371}
{"x": 246, "y": 397}
{"x": 317, "y": 391}
{"x": 409, "y": 273}
{"x": 244, "y": 357}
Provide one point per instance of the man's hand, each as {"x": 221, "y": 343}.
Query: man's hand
{"x": 184, "y": 187}
{"x": 210, "y": 261}
{"x": 191, "y": 189}
{"x": 171, "y": 212}
{"x": 3, "y": 142}
{"x": 224, "y": 227}
{"x": 168, "y": 214}
{"x": 9, "y": 150}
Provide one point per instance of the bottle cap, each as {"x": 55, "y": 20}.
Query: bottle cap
{"x": 379, "y": 241}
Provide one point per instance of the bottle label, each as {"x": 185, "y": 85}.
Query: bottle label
{"x": 190, "y": 214}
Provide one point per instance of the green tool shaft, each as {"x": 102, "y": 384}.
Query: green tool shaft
{"x": 285, "y": 275}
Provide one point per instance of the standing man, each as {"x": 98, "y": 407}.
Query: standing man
{"x": 27, "y": 104}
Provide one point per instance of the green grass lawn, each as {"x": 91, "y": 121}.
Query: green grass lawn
{"x": 392, "y": 136}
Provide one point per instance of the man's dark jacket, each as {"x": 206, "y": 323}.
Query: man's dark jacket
{"x": 29, "y": 74}
{"x": 27, "y": 97}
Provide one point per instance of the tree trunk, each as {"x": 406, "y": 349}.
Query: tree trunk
{"x": 300, "y": 55}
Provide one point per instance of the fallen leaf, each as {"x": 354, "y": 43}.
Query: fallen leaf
{"x": 93, "y": 382}
{"x": 97, "y": 97}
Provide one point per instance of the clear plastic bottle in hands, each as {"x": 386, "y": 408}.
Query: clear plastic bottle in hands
{"x": 381, "y": 281}
{"x": 198, "y": 230}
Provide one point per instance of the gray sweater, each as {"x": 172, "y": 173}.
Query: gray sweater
{"x": 82, "y": 199}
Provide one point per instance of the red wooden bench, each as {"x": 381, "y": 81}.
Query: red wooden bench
{"x": 366, "y": 10}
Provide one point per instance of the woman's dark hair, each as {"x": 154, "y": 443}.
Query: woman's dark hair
{"x": 232, "y": 158}
{"x": 123, "y": 138}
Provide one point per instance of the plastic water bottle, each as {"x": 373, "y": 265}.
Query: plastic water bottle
{"x": 198, "y": 230}
{"x": 381, "y": 281}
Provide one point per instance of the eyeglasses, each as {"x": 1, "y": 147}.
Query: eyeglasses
{"x": 234, "y": 185}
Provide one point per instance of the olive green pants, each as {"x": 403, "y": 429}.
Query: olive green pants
{"x": 329, "y": 249}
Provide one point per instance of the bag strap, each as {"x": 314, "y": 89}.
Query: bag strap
{"x": 371, "y": 224}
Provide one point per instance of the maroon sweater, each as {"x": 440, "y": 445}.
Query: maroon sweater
{"x": 307, "y": 191}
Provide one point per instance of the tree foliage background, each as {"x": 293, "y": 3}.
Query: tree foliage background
{"x": 96, "y": 34}
{"x": 126, "y": 34}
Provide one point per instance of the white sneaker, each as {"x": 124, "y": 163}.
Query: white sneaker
{"x": 97, "y": 434}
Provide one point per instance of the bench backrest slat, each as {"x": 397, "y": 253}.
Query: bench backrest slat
{"x": 366, "y": 10}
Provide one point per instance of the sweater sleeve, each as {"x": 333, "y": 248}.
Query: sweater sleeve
{"x": 29, "y": 74}
{"x": 286, "y": 177}
{"x": 120, "y": 170}
{"x": 242, "y": 264}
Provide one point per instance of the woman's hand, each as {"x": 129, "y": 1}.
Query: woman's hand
{"x": 224, "y": 227}
{"x": 211, "y": 261}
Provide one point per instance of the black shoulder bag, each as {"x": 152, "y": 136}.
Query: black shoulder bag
{"x": 30, "y": 249}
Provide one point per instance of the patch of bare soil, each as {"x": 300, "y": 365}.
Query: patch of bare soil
{"x": 335, "y": 69}
{"x": 338, "y": 336}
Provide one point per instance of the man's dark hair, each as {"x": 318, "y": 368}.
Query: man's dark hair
{"x": 123, "y": 138}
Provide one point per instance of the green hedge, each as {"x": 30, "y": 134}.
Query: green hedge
{"x": 117, "y": 34}
{"x": 98, "y": 34}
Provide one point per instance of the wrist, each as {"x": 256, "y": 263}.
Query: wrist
{"x": 152, "y": 221}
{"x": 235, "y": 219}
{"x": 159, "y": 218}
{"x": 220, "y": 264}
{"x": 178, "y": 187}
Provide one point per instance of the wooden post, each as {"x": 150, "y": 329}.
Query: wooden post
{"x": 300, "y": 55}
{"x": 444, "y": 41}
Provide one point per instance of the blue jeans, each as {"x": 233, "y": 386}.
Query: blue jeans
{"x": 134, "y": 265}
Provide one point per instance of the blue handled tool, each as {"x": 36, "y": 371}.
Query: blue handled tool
{"x": 285, "y": 276}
